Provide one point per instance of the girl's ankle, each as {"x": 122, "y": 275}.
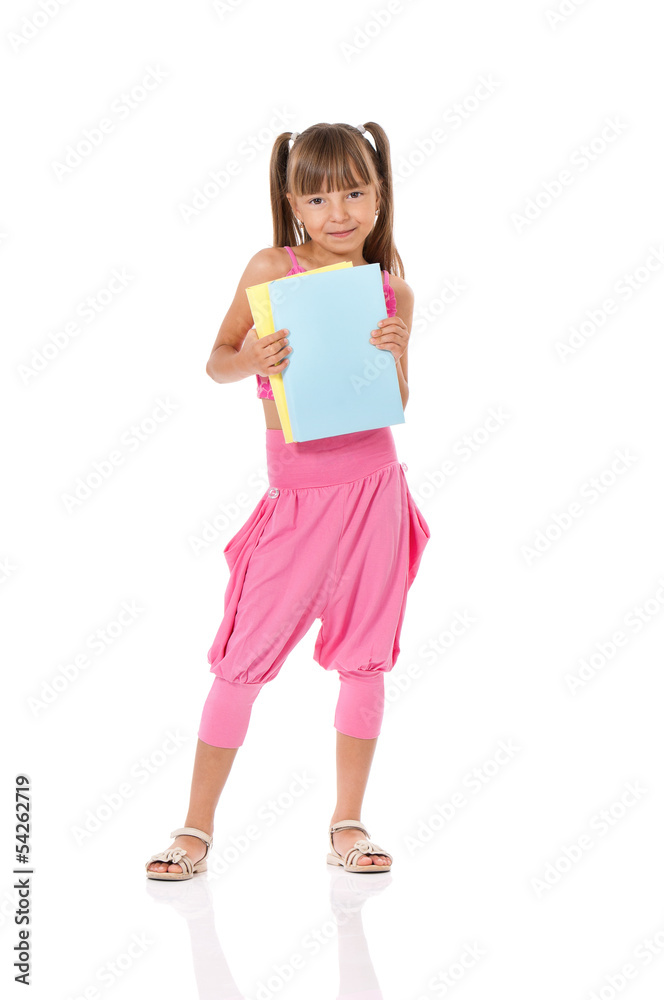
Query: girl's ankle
{"x": 205, "y": 827}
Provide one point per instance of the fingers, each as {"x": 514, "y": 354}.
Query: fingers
{"x": 275, "y": 350}
{"x": 276, "y": 341}
{"x": 388, "y": 343}
{"x": 278, "y": 348}
{"x": 270, "y": 338}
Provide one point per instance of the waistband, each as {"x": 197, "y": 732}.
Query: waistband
{"x": 327, "y": 461}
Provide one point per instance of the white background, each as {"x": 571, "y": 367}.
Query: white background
{"x": 494, "y": 874}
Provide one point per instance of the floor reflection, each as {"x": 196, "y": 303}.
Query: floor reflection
{"x": 194, "y": 900}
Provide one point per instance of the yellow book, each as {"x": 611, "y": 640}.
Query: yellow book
{"x": 261, "y": 311}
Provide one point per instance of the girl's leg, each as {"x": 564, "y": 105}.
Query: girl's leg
{"x": 354, "y": 757}
{"x": 212, "y": 766}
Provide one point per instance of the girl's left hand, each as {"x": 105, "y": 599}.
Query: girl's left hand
{"x": 392, "y": 335}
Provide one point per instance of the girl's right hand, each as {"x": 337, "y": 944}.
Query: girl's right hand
{"x": 265, "y": 355}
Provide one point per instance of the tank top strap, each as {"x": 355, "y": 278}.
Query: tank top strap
{"x": 292, "y": 256}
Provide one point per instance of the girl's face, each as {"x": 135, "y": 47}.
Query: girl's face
{"x": 338, "y": 220}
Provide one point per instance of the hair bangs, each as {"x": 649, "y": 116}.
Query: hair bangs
{"x": 333, "y": 162}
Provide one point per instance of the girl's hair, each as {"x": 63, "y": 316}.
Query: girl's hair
{"x": 332, "y": 157}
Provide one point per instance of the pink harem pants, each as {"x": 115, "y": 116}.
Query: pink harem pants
{"x": 336, "y": 536}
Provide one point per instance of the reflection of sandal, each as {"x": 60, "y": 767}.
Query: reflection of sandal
{"x": 178, "y": 856}
{"x": 349, "y": 860}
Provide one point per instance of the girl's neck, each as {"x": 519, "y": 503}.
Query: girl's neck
{"x": 356, "y": 258}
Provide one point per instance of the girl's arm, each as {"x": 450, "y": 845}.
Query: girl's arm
{"x": 225, "y": 361}
{"x": 400, "y": 332}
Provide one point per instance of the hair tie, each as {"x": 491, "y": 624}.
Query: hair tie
{"x": 368, "y": 136}
{"x": 294, "y": 136}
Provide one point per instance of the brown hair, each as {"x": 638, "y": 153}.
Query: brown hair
{"x": 334, "y": 157}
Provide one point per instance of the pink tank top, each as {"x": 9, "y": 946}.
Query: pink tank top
{"x": 264, "y": 389}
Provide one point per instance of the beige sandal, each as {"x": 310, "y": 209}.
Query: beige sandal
{"x": 349, "y": 860}
{"x": 178, "y": 856}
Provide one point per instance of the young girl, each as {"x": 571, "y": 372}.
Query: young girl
{"x": 337, "y": 536}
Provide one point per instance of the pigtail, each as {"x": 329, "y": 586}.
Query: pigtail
{"x": 379, "y": 245}
{"x": 285, "y": 230}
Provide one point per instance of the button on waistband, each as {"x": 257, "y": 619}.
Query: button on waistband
{"x": 273, "y": 492}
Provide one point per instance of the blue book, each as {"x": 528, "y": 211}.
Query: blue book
{"x": 337, "y": 382}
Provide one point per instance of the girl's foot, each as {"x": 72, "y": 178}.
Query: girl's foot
{"x": 194, "y": 846}
{"x": 343, "y": 840}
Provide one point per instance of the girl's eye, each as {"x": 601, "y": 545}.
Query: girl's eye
{"x": 312, "y": 200}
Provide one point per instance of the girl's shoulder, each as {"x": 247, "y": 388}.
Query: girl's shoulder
{"x": 399, "y": 284}
{"x": 270, "y": 263}
{"x": 402, "y": 290}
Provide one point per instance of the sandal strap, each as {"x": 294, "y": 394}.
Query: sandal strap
{"x": 349, "y": 824}
{"x": 191, "y": 831}
{"x": 346, "y": 824}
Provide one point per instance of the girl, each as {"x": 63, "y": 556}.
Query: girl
{"x": 337, "y": 536}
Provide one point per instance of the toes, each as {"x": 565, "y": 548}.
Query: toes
{"x": 161, "y": 866}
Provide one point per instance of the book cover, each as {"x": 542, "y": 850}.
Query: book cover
{"x": 261, "y": 311}
{"x": 337, "y": 382}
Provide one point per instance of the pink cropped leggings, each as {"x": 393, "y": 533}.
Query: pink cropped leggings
{"x": 337, "y": 536}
